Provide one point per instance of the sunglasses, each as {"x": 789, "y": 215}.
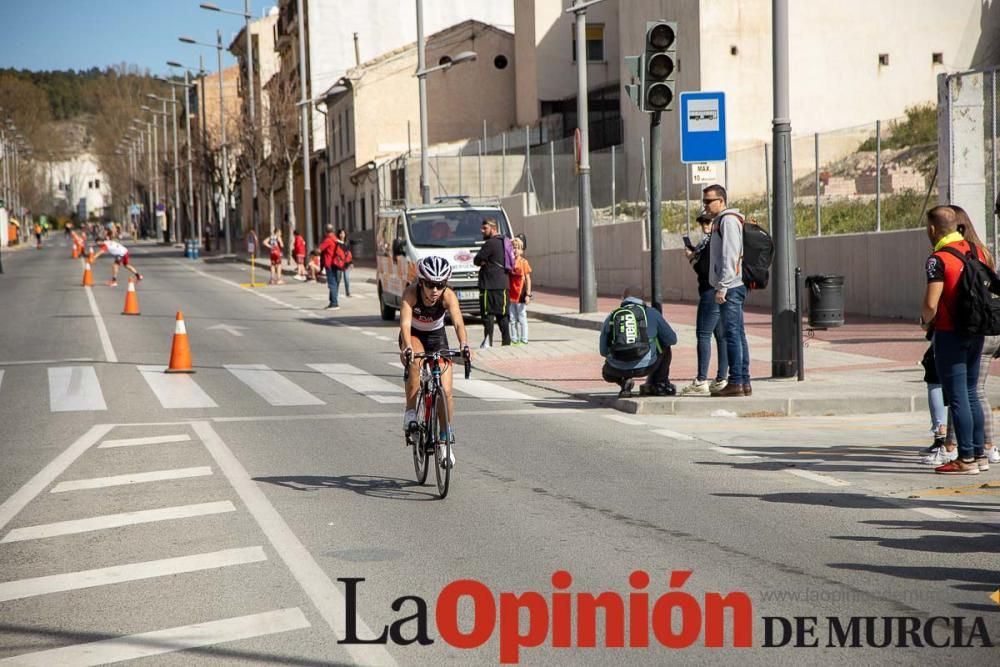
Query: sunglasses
{"x": 709, "y": 201}
{"x": 429, "y": 285}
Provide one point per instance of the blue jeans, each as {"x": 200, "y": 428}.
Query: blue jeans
{"x": 736, "y": 336}
{"x": 957, "y": 359}
{"x": 333, "y": 282}
{"x": 709, "y": 324}
{"x": 519, "y": 322}
{"x": 347, "y": 281}
{"x": 939, "y": 413}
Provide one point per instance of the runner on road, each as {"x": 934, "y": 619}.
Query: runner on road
{"x": 121, "y": 257}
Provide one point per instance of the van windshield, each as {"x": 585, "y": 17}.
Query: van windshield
{"x": 451, "y": 229}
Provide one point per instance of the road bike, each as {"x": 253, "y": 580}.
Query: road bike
{"x": 424, "y": 435}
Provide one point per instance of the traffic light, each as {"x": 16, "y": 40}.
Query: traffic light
{"x": 659, "y": 66}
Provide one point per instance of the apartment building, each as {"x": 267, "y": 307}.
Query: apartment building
{"x": 373, "y": 111}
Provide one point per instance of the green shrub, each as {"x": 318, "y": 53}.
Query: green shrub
{"x": 920, "y": 127}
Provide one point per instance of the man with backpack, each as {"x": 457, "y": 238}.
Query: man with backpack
{"x": 635, "y": 342}
{"x": 725, "y": 275}
{"x": 494, "y": 262}
{"x": 960, "y": 306}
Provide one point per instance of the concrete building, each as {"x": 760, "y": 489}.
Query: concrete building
{"x": 80, "y": 185}
{"x": 342, "y": 35}
{"x": 459, "y": 101}
{"x": 852, "y": 62}
{"x": 265, "y": 64}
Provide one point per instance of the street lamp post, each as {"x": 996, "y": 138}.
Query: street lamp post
{"x": 177, "y": 166}
{"x": 156, "y": 159}
{"x": 306, "y": 167}
{"x": 251, "y": 95}
{"x": 193, "y": 213}
{"x": 421, "y": 74}
{"x": 224, "y": 214}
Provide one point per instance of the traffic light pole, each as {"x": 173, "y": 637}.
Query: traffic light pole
{"x": 655, "y": 185}
{"x": 588, "y": 283}
{"x": 784, "y": 327}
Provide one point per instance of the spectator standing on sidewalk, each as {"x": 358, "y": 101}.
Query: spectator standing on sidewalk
{"x": 276, "y": 247}
{"x": 329, "y": 249}
{"x": 725, "y": 275}
{"x": 493, "y": 297}
{"x": 348, "y": 261}
{"x": 708, "y": 322}
{"x": 956, "y": 353}
{"x": 520, "y": 295}
{"x": 635, "y": 342}
{"x": 299, "y": 252}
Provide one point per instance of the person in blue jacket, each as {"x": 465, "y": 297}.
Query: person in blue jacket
{"x": 635, "y": 342}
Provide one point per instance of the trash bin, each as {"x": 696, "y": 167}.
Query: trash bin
{"x": 188, "y": 244}
{"x": 826, "y": 301}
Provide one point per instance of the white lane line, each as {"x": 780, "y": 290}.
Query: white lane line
{"x": 116, "y": 521}
{"x": 622, "y": 419}
{"x": 732, "y": 451}
{"x": 71, "y": 581}
{"x": 936, "y": 513}
{"x": 102, "y": 331}
{"x": 482, "y": 389}
{"x": 326, "y": 597}
{"x": 48, "y": 474}
{"x": 34, "y": 362}
{"x": 363, "y": 382}
{"x": 369, "y": 333}
{"x": 384, "y": 338}
{"x": 74, "y": 388}
{"x": 132, "y": 478}
{"x": 817, "y": 477}
{"x": 1, "y": 378}
{"x": 272, "y": 386}
{"x": 175, "y": 391}
{"x": 150, "y": 440}
{"x": 672, "y": 434}
{"x": 158, "y": 642}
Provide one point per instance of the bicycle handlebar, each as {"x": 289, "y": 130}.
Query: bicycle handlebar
{"x": 440, "y": 354}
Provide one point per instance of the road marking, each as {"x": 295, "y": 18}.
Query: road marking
{"x": 158, "y": 642}
{"x": 622, "y": 419}
{"x": 270, "y": 385}
{"x": 116, "y": 520}
{"x": 175, "y": 391}
{"x": 936, "y": 513}
{"x": 131, "y": 478}
{"x": 35, "y": 362}
{"x": 231, "y": 328}
{"x": 75, "y": 388}
{"x": 1, "y": 378}
{"x": 150, "y": 440}
{"x": 102, "y": 331}
{"x": 363, "y": 382}
{"x": 48, "y": 474}
{"x": 482, "y": 389}
{"x": 369, "y": 333}
{"x": 384, "y": 338}
{"x": 731, "y": 451}
{"x": 817, "y": 477}
{"x": 71, "y": 581}
{"x": 672, "y": 434}
{"x": 326, "y": 597}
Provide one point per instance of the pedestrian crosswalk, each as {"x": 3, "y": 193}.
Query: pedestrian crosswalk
{"x": 86, "y": 388}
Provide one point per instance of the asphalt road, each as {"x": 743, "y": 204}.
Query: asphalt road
{"x": 216, "y": 531}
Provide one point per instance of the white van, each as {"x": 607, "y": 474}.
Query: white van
{"x": 451, "y": 228}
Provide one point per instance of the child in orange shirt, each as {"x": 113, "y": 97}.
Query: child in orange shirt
{"x": 520, "y": 295}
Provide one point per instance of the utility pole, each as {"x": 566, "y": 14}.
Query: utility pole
{"x": 224, "y": 216}
{"x": 425, "y": 188}
{"x": 252, "y": 93}
{"x": 585, "y": 256}
{"x": 306, "y": 110}
{"x": 195, "y": 232}
{"x": 655, "y": 188}
{"x": 783, "y": 317}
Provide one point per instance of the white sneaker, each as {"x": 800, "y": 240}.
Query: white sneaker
{"x": 485, "y": 345}
{"x": 448, "y": 462}
{"x": 940, "y": 457}
{"x": 696, "y": 388}
{"x": 993, "y": 454}
{"x": 409, "y": 417}
{"x": 717, "y": 385}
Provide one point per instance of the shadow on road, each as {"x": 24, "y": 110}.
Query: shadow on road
{"x": 388, "y": 488}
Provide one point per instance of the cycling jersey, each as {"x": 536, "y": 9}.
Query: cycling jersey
{"x": 428, "y": 317}
{"x": 115, "y": 249}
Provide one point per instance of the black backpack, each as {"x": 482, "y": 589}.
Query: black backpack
{"x": 976, "y": 310}
{"x": 628, "y": 338}
{"x": 758, "y": 253}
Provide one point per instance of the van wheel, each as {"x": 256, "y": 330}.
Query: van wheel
{"x": 388, "y": 312}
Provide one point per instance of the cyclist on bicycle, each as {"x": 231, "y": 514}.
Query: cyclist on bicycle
{"x": 421, "y": 329}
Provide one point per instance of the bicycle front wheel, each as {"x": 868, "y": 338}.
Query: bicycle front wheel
{"x": 442, "y": 471}
{"x": 420, "y": 454}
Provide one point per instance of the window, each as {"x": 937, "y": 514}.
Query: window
{"x": 97, "y": 184}
{"x": 883, "y": 59}
{"x": 937, "y": 58}
{"x": 595, "y": 43}
{"x": 363, "y": 212}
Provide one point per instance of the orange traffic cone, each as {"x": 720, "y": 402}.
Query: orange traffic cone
{"x": 131, "y": 299}
{"x": 90, "y": 255}
{"x": 88, "y": 277}
{"x": 180, "y": 352}
{"x": 76, "y": 251}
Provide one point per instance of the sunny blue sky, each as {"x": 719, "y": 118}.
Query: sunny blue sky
{"x": 79, "y": 34}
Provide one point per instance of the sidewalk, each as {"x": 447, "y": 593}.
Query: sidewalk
{"x": 867, "y": 366}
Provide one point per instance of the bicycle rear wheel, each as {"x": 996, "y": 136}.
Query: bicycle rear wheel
{"x": 419, "y": 443}
{"x": 442, "y": 472}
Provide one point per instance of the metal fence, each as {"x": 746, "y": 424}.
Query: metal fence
{"x": 845, "y": 180}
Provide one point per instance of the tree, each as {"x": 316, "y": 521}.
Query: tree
{"x": 285, "y": 142}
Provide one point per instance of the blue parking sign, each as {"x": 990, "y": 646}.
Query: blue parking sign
{"x": 703, "y": 127}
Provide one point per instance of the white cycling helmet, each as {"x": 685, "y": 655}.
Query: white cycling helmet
{"x": 434, "y": 269}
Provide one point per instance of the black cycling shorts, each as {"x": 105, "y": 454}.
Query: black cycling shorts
{"x": 433, "y": 341}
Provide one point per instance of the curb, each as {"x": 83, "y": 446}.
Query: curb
{"x": 567, "y": 319}
{"x": 767, "y": 407}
